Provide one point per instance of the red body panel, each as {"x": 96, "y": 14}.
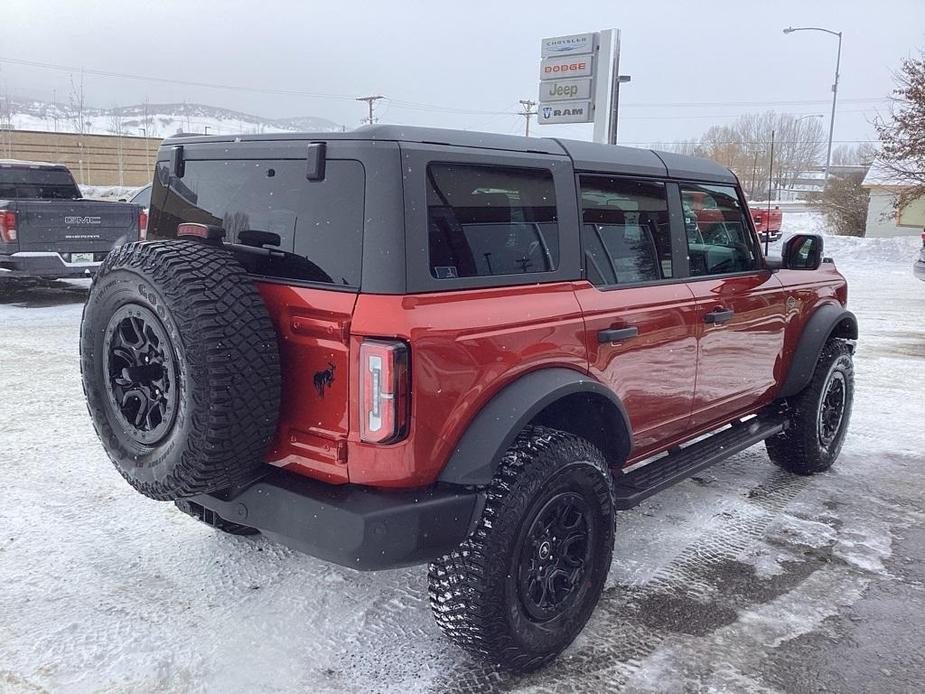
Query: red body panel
{"x": 465, "y": 347}
{"x": 737, "y": 361}
{"x": 678, "y": 378}
{"x": 655, "y": 372}
{"x": 313, "y": 328}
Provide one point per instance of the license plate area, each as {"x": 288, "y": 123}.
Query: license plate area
{"x": 82, "y": 257}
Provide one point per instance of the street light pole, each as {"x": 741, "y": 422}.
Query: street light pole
{"x": 828, "y": 152}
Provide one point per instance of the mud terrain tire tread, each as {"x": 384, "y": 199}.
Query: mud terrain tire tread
{"x": 798, "y": 449}
{"x": 469, "y": 588}
{"x": 227, "y": 361}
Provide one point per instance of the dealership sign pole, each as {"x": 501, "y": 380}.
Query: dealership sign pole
{"x": 578, "y": 81}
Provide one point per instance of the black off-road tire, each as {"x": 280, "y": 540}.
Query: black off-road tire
{"x": 809, "y": 445}
{"x": 477, "y": 592}
{"x": 180, "y": 368}
{"x": 210, "y": 518}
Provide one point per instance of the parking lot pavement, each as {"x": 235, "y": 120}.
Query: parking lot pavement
{"x": 744, "y": 578}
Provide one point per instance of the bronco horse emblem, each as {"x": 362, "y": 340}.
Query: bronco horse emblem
{"x": 324, "y": 379}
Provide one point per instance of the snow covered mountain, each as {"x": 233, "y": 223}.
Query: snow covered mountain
{"x": 153, "y": 120}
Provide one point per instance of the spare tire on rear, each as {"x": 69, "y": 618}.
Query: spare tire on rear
{"x": 180, "y": 368}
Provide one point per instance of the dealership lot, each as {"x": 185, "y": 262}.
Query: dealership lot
{"x": 743, "y": 578}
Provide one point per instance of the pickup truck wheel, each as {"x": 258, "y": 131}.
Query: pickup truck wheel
{"x": 523, "y": 585}
{"x": 819, "y": 415}
{"x": 180, "y": 368}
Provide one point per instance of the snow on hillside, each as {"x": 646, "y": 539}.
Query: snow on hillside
{"x": 153, "y": 120}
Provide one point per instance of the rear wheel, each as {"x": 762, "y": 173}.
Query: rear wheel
{"x": 523, "y": 585}
{"x": 818, "y": 415}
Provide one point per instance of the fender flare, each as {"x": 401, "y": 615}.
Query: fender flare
{"x": 478, "y": 452}
{"x": 825, "y": 321}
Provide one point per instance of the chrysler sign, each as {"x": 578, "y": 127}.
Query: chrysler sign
{"x": 576, "y": 44}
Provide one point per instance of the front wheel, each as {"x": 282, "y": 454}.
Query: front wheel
{"x": 819, "y": 415}
{"x": 522, "y": 586}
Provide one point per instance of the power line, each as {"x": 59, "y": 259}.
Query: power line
{"x": 404, "y": 104}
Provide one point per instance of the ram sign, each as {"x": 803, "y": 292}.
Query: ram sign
{"x": 564, "y": 112}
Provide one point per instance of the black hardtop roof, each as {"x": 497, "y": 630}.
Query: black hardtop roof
{"x": 586, "y": 156}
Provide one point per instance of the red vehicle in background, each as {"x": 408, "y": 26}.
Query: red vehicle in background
{"x": 767, "y": 221}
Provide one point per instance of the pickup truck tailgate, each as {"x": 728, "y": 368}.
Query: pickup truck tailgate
{"x": 74, "y": 226}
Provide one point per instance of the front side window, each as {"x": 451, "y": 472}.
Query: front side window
{"x": 718, "y": 238}
{"x": 626, "y": 233}
{"x": 488, "y": 221}
{"x": 319, "y": 223}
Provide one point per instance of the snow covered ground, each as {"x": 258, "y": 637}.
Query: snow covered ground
{"x": 743, "y": 579}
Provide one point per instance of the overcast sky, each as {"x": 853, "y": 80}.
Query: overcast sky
{"x": 465, "y": 64}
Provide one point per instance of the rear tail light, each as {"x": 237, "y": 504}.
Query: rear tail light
{"x": 7, "y": 226}
{"x": 385, "y": 391}
{"x": 143, "y": 225}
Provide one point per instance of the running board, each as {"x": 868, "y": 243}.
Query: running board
{"x": 632, "y": 487}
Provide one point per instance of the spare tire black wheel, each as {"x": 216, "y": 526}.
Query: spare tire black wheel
{"x": 180, "y": 367}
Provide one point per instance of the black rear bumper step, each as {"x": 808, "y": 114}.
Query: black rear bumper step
{"x": 360, "y": 527}
{"x": 639, "y": 484}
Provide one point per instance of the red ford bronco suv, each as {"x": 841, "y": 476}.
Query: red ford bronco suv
{"x": 400, "y": 345}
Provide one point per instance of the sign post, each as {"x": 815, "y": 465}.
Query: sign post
{"x": 579, "y": 77}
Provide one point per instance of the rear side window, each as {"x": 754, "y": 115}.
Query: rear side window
{"x": 319, "y": 223}
{"x": 626, "y": 233}
{"x": 24, "y": 183}
{"x": 488, "y": 221}
{"x": 718, "y": 238}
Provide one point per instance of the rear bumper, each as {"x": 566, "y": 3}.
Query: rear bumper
{"x": 44, "y": 264}
{"x": 359, "y": 527}
{"x": 774, "y": 235}
{"x": 918, "y": 269}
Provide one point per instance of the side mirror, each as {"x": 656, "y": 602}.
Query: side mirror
{"x": 802, "y": 252}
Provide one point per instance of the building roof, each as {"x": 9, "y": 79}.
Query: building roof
{"x": 587, "y": 156}
{"x": 880, "y": 176}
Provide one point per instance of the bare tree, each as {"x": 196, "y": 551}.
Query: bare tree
{"x": 117, "y": 128}
{"x": 854, "y": 155}
{"x": 903, "y": 135}
{"x": 745, "y": 147}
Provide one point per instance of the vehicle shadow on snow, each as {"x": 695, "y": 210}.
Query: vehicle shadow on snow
{"x": 42, "y": 293}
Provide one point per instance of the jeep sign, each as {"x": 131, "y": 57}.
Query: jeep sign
{"x": 565, "y": 90}
{"x": 564, "y": 112}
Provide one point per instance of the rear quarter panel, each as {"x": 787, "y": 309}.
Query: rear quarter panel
{"x": 465, "y": 346}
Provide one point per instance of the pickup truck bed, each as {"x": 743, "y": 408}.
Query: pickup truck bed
{"x": 48, "y": 231}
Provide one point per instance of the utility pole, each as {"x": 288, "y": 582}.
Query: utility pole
{"x": 527, "y": 113}
{"x": 370, "y": 100}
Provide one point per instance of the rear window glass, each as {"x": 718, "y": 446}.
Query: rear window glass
{"x": 20, "y": 183}
{"x": 319, "y": 223}
{"x": 485, "y": 221}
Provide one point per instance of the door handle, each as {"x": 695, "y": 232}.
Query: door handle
{"x": 719, "y": 315}
{"x": 617, "y": 334}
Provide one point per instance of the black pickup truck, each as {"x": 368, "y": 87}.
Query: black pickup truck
{"x": 47, "y": 230}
